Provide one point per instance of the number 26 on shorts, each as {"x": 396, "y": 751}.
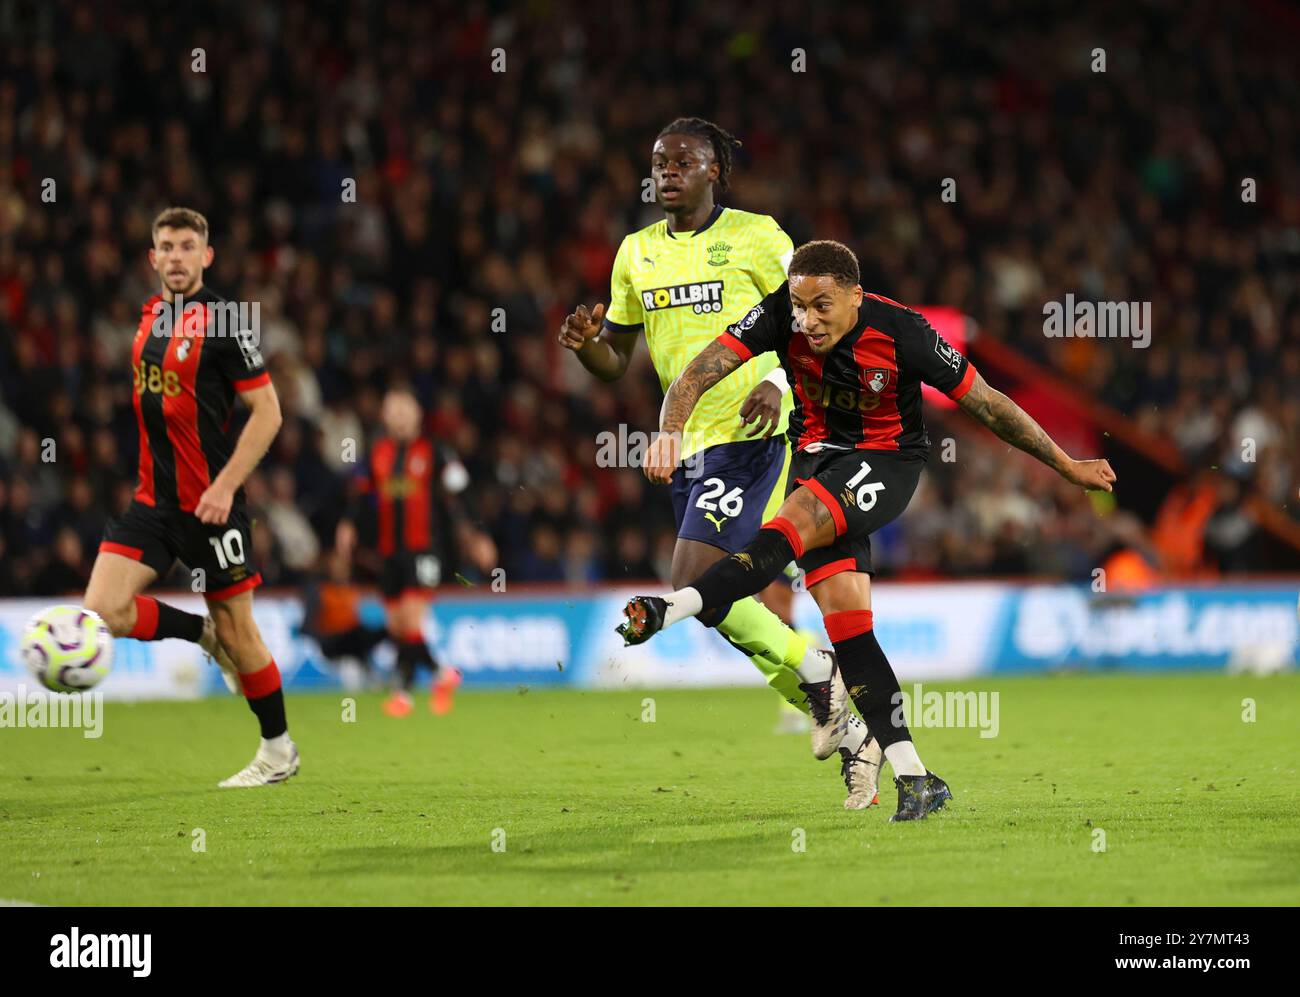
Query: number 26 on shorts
{"x": 729, "y": 504}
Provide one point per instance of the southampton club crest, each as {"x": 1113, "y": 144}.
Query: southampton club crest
{"x": 877, "y": 380}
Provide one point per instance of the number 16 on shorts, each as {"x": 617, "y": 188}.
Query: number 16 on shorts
{"x": 864, "y": 492}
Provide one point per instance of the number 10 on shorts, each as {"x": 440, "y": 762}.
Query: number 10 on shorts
{"x": 229, "y": 547}
{"x": 866, "y": 494}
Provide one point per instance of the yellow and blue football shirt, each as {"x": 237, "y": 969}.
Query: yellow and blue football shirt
{"x": 684, "y": 289}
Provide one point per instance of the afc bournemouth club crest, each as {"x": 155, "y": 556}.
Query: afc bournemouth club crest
{"x": 877, "y": 380}
{"x": 183, "y": 350}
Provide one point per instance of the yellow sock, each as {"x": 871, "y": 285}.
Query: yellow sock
{"x": 772, "y": 647}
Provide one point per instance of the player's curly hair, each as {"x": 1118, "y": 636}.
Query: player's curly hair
{"x": 823, "y": 257}
{"x": 723, "y": 142}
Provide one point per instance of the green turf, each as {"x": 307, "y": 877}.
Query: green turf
{"x": 700, "y": 807}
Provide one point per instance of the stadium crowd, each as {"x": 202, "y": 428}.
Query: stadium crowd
{"x": 489, "y": 203}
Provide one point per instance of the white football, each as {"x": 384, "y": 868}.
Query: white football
{"x": 67, "y": 648}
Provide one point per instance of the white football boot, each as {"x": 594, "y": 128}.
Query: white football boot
{"x": 269, "y": 766}
{"x": 861, "y": 772}
{"x": 217, "y": 652}
{"x": 829, "y": 704}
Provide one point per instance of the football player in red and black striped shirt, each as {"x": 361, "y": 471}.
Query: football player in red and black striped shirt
{"x": 411, "y": 482}
{"x": 190, "y": 359}
{"x": 856, "y": 362}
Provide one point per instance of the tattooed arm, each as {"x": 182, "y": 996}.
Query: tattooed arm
{"x": 713, "y": 363}
{"x": 710, "y": 366}
{"x": 1012, "y": 424}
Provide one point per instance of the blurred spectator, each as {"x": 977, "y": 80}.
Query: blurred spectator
{"x": 65, "y": 572}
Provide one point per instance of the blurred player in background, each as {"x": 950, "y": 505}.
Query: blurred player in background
{"x": 332, "y": 616}
{"x": 189, "y": 498}
{"x": 678, "y": 281}
{"x": 412, "y": 482}
{"x": 858, "y": 361}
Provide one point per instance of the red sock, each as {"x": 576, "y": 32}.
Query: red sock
{"x": 260, "y": 683}
{"x": 146, "y": 618}
{"x": 156, "y": 620}
{"x": 266, "y": 699}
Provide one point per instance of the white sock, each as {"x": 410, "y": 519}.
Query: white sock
{"x": 682, "y": 604}
{"x": 815, "y": 667}
{"x": 903, "y": 757}
{"x": 277, "y": 745}
{"x": 855, "y": 735}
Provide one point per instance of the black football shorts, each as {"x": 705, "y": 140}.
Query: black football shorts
{"x": 410, "y": 573}
{"x": 159, "y": 537}
{"x": 864, "y": 490}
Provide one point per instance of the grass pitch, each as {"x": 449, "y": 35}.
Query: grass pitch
{"x": 587, "y": 804}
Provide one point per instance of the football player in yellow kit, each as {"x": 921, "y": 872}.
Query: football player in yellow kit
{"x": 677, "y": 282}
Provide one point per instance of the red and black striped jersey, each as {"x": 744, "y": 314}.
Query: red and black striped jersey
{"x": 401, "y": 478}
{"x": 186, "y": 372}
{"x": 864, "y": 394}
